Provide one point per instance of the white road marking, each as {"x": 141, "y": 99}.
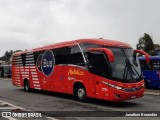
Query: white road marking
{"x": 51, "y": 118}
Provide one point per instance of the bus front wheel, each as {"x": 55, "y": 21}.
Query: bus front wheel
{"x": 80, "y": 93}
{"x": 26, "y": 86}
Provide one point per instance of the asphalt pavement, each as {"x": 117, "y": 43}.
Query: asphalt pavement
{"x": 48, "y": 101}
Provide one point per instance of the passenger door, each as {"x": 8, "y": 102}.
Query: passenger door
{"x": 98, "y": 65}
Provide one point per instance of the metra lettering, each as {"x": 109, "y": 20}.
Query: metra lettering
{"x": 75, "y": 72}
{"x": 47, "y": 63}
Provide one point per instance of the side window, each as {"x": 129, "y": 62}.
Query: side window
{"x": 69, "y": 55}
{"x": 75, "y": 57}
{"x": 97, "y": 63}
{"x": 60, "y": 55}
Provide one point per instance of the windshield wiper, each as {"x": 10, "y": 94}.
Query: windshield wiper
{"x": 128, "y": 68}
{"x": 131, "y": 69}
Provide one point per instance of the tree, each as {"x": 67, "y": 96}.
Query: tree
{"x": 8, "y": 55}
{"x": 146, "y": 44}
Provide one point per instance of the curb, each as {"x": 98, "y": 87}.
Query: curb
{"x": 152, "y": 93}
{"x": 5, "y": 78}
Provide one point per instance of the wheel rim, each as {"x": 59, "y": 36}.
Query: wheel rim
{"x": 81, "y": 93}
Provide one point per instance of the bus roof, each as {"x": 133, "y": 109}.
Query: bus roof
{"x": 151, "y": 58}
{"x": 106, "y": 42}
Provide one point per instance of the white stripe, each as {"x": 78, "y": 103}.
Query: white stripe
{"x": 18, "y": 65}
{"x": 34, "y": 78}
{"x": 36, "y": 82}
{"x": 16, "y": 78}
{"x": 33, "y": 69}
{"x": 17, "y": 60}
{"x": 7, "y": 108}
{"x": 30, "y": 64}
{"x": 25, "y": 75}
{"x": 10, "y": 118}
{"x": 12, "y": 105}
{"x": 37, "y": 88}
{"x": 31, "y": 61}
{"x": 27, "y": 56}
{"x": 36, "y": 85}
{"x": 24, "y": 69}
{"x": 51, "y": 118}
{"x": 33, "y": 73}
{"x": 27, "y": 67}
{"x": 16, "y": 75}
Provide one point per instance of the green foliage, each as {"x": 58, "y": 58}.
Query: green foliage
{"x": 146, "y": 44}
{"x": 8, "y": 55}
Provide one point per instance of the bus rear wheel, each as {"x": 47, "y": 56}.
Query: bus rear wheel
{"x": 80, "y": 93}
{"x": 26, "y": 86}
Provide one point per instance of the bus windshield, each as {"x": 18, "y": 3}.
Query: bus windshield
{"x": 125, "y": 68}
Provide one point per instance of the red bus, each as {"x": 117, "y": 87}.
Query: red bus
{"x": 94, "y": 68}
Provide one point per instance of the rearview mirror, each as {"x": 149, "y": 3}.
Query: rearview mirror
{"x": 108, "y": 52}
{"x": 144, "y": 53}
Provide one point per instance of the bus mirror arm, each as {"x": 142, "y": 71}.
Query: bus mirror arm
{"x": 108, "y": 52}
{"x": 144, "y": 53}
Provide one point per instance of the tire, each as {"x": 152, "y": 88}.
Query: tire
{"x": 80, "y": 93}
{"x": 26, "y": 86}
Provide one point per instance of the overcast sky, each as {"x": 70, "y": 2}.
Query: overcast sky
{"x": 26, "y": 24}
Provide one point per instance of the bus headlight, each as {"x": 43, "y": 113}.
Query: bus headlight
{"x": 118, "y": 87}
{"x": 111, "y": 85}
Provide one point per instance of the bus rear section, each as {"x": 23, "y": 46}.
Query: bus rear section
{"x": 5, "y": 71}
{"x": 151, "y": 72}
{"x": 95, "y": 68}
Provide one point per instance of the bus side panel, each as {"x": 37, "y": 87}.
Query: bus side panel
{"x": 152, "y": 78}
{"x": 63, "y": 79}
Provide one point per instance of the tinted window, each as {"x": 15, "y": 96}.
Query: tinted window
{"x": 69, "y": 55}
{"x": 97, "y": 63}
